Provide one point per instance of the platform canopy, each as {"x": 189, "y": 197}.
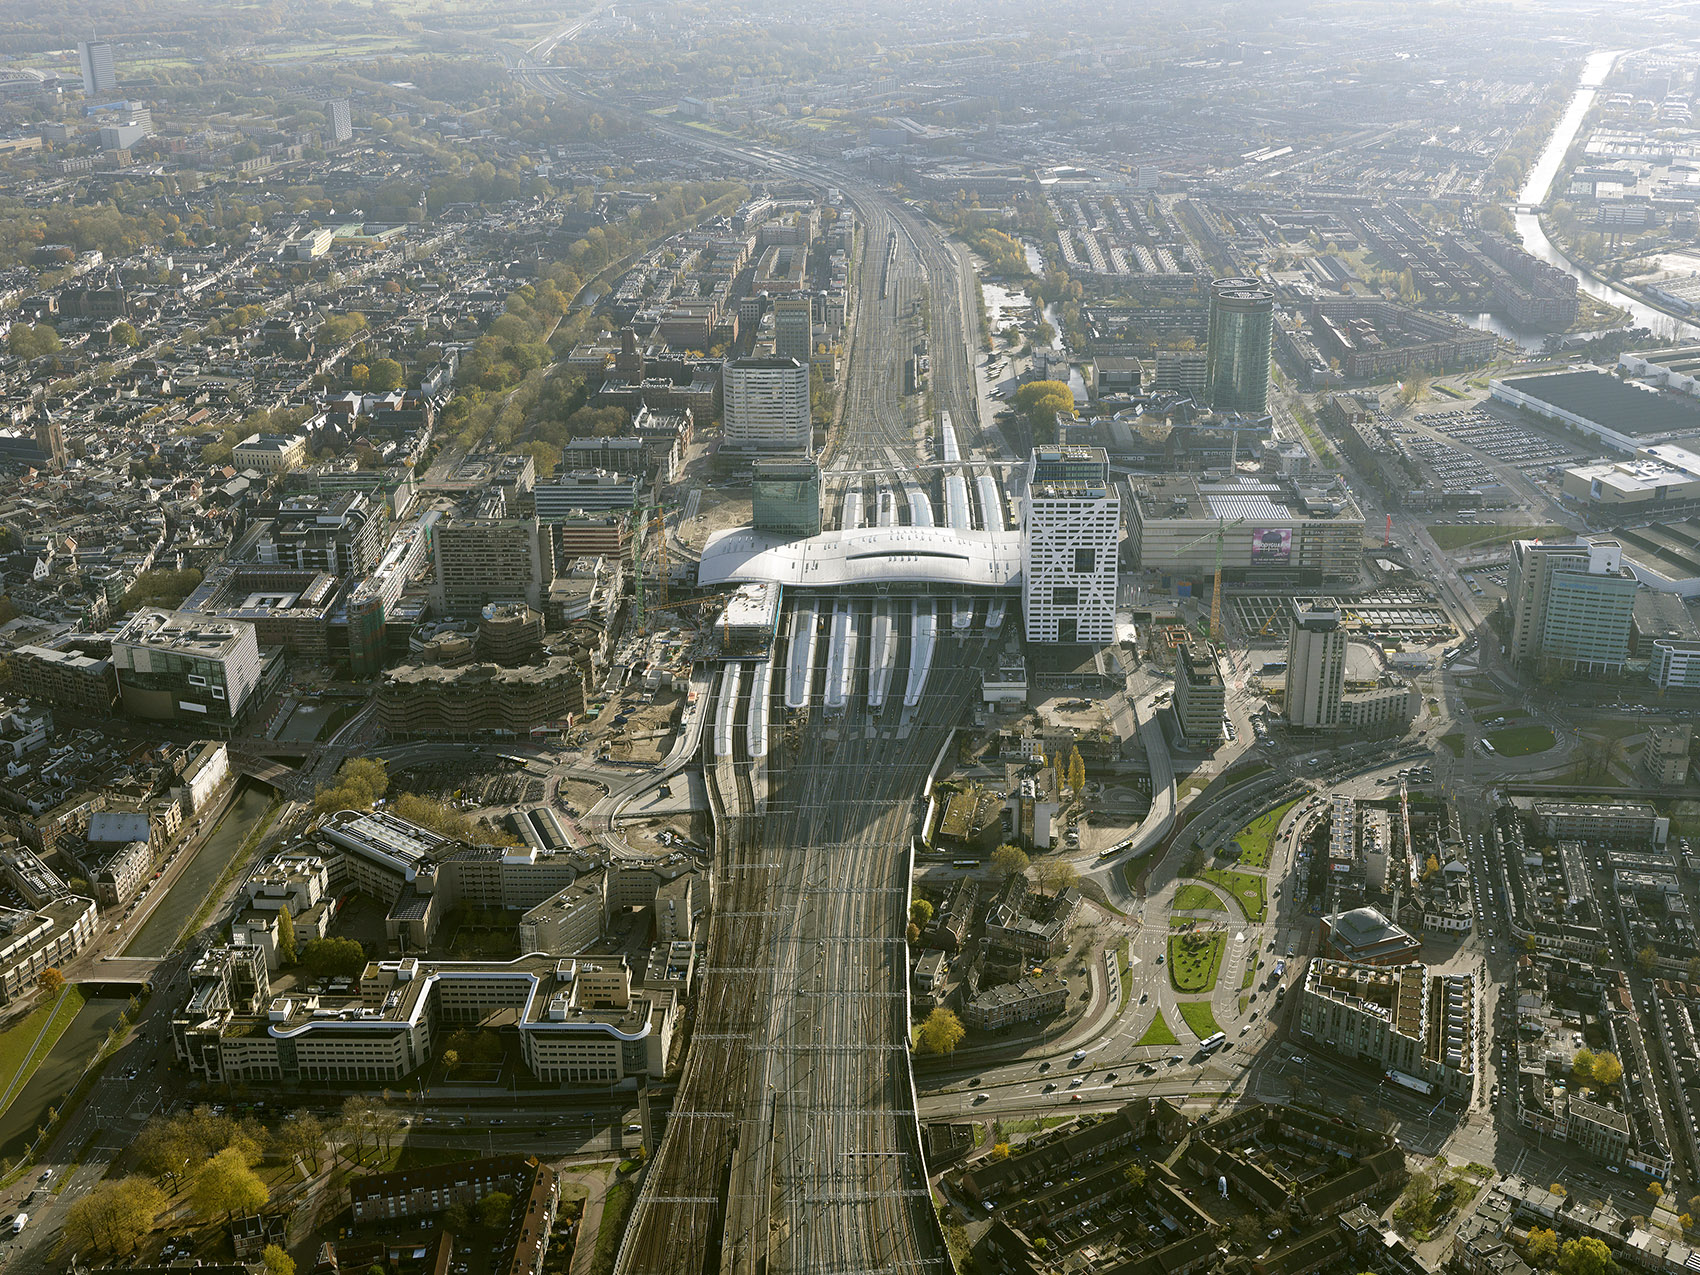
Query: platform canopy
{"x": 939, "y": 557}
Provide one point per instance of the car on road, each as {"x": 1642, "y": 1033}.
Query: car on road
{"x": 1046, "y": 1065}
{"x": 981, "y": 1097}
{"x": 1077, "y": 1082}
{"x": 1050, "y": 1087}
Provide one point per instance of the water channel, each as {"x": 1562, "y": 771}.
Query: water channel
{"x": 200, "y": 874}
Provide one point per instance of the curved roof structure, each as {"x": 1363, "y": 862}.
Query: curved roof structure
{"x": 936, "y": 556}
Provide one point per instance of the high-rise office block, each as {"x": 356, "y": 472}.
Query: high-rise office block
{"x": 483, "y": 560}
{"x": 794, "y": 328}
{"x": 339, "y": 124}
{"x": 1200, "y": 696}
{"x": 1071, "y": 533}
{"x": 785, "y": 497}
{"x": 1569, "y": 603}
{"x": 1241, "y": 341}
{"x": 1316, "y": 667}
{"x": 100, "y": 73}
{"x": 765, "y": 405}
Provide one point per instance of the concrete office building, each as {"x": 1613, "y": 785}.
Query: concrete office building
{"x": 180, "y": 666}
{"x": 785, "y": 497}
{"x": 1072, "y": 530}
{"x": 1571, "y": 604}
{"x": 482, "y": 560}
{"x": 1316, "y": 667}
{"x": 766, "y": 406}
{"x": 100, "y": 72}
{"x": 1240, "y": 343}
{"x": 1400, "y": 1017}
{"x": 1200, "y": 696}
{"x": 31, "y": 942}
{"x": 1279, "y": 531}
{"x": 1674, "y": 664}
{"x": 339, "y": 123}
{"x": 794, "y": 328}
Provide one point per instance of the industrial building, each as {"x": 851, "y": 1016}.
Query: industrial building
{"x": 1571, "y": 604}
{"x": 1279, "y": 531}
{"x": 1625, "y": 414}
{"x": 1662, "y": 478}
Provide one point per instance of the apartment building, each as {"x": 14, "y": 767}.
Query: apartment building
{"x": 1200, "y": 695}
{"x": 1401, "y": 1017}
{"x": 48, "y": 937}
{"x": 1316, "y": 667}
{"x": 479, "y": 560}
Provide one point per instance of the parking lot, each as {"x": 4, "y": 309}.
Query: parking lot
{"x": 1503, "y": 440}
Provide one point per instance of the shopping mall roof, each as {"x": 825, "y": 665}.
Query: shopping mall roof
{"x": 938, "y": 556}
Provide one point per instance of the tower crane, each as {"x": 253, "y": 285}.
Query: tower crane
{"x": 1219, "y": 535}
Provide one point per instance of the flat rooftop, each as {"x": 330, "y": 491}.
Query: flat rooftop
{"x": 1609, "y": 402}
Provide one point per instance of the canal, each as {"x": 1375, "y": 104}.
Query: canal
{"x": 199, "y": 876}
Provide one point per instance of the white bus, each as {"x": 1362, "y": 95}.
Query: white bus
{"x": 1210, "y": 1044}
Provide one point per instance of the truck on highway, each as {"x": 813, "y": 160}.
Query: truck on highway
{"x": 1407, "y": 1081}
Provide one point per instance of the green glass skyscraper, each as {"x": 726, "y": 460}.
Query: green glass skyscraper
{"x": 1242, "y": 336}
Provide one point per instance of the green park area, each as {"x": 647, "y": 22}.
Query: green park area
{"x": 1245, "y": 887}
{"x": 1195, "y": 898}
{"x": 1195, "y": 957}
{"x": 1521, "y": 741}
{"x": 1257, "y": 838}
{"x": 1159, "y": 1033}
{"x": 1199, "y": 1018}
{"x": 1455, "y": 742}
{"x": 1477, "y": 537}
{"x": 26, "y": 1043}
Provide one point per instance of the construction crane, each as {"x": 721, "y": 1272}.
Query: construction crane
{"x": 1219, "y": 535}
{"x": 655, "y": 517}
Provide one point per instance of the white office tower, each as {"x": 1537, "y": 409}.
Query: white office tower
{"x": 1316, "y": 667}
{"x": 1071, "y": 531}
{"x": 100, "y": 73}
{"x": 765, "y": 405}
{"x": 339, "y": 123}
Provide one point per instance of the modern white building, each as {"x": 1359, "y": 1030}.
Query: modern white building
{"x": 183, "y": 666}
{"x": 1069, "y": 546}
{"x": 340, "y": 124}
{"x": 100, "y": 73}
{"x": 765, "y": 405}
{"x": 1316, "y": 667}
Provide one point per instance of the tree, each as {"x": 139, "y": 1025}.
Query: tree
{"x": 1656, "y": 1190}
{"x": 999, "y": 1151}
{"x": 451, "y": 1060}
{"x": 359, "y": 782}
{"x": 302, "y": 1138}
{"x": 912, "y": 934}
{"x": 1582, "y": 1066}
{"x": 1432, "y": 866}
{"x": 226, "y": 1186}
{"x": 115, "y": 1216}
{"x": 1076, "y": 772}
{"x": 493, "y": 1210}
{"x": 357, "y": 1124}
{"x": 32, "y": 340}
{"x": 125, "y": 334}
{"x": 1608, "y": 1070}
{"x": 276, "y": 1261}
{"x": 286, "y": 953}
{"x": 333, "y": 957}
{"x": 1056, "y": 875}
{"x": 921, "y": 913}
{"x": 386, "y": 375}
{"x": 1134, "y": 1177}
{"x": 51, "y": 981}
{"x": 1586, "y": 1255}
{"x": 1042, "y": 402}
{"x": 1646, "y": 958}
{"x": 1009, "y": 861}
{"x": 941, "y": 1033}
{"x": 1543, "y": 1246}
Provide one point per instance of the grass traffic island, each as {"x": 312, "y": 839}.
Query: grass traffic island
{"x": 1455, "y": 742}
{"x": 1195, "y": 958}
{"x": 1522, "y": 741}
{"x": 1257, "y": 838}
{"x": 1195, "y": 898}
{"x": 1247, "y": 889}
{"x": 1199, "y": 1018}
{"x": 1159, "y": 1033}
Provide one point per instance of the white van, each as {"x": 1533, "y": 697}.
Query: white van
{"x": 19, "y": 1222}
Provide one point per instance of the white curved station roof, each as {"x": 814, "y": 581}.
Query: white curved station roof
{"x": 866, "y": 555}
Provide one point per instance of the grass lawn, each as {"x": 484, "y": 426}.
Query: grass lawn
{"x": 1126, "y": 972}
{"x": 1246, "y": 887}
{"x": 1247, "y": 772}
{"x": 21, "y": 1052}
{"x": 618, "y": 1203}
{"x": 1250, "y": 975}
{"x": 1468, "y": 537}
{"x": 1195, "y": 898}
{"x": 1522, "y": 741}
{"x": 1454, "y": 742}
{"x": 1482, "y": 701}
{"x": 1199, "y": 1018}
{"x": 1257, "y": 838}
{"x": 1158, "y": 1033}
{"x": 1192, "y": 783}
{"x": 1195, "y": 960}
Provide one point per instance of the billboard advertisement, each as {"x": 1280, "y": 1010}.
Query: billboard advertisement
{"x": 1271, "y": 546}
